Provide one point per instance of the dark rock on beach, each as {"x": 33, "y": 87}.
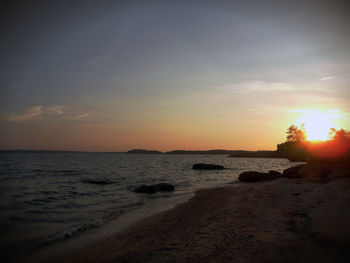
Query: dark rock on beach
{"x": 318, "y": 171}
{"x": 293, "y": 172}
{"x": 273, "y": 173}
{"x": 207, "y": 166}
{"x": 253, "y": 176}
{"x": 154, "y": 188}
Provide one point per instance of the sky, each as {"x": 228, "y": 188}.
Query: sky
{"x": 166, "y": 75}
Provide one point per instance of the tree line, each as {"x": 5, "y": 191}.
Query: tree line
{"x": 298, "y": 148}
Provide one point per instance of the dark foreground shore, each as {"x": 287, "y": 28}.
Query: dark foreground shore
{"x": 285, "y": 220}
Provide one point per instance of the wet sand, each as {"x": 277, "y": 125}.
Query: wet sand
{"x": 286, "y": 220}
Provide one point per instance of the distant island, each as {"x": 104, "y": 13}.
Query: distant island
{"x": 257, "y": 154}
{"x": 208, "y": 152}
{"x": 230, "y": 153}
{"x": 143, "y": 151}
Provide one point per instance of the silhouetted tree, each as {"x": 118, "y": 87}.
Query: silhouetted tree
{"x": 294, "y": 148}
{"x": 332, "y": 133}
{"x": 296, "y": 134}
{"x": 297, "y": 148}
{"x": 342, "y": 136}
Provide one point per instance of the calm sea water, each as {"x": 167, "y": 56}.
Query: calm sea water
{"x": 47, "y": 197}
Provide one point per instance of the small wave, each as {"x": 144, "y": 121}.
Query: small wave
{"x": 33, "y": 202}
{"x": 48, "y": 192}
{"x": 104, "y": 181}
{"x": 72, "y": 231}
{"x": 64, "y": 172}
{"x": 69, "y": 171}
{"x": 34, "y": 212}
{"x": 80, "y": 228}
{"x": 44, "y": 200}
{"x": 82, "y": 193}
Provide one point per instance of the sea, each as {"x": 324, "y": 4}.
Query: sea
{"x": 50, "y": 197}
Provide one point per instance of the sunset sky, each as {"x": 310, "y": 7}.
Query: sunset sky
{"x": 111, "y": 76}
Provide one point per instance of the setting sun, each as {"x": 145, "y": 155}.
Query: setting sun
{"x": 317, "y": 124}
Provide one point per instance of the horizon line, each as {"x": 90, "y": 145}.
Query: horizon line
{"x": 138, "y": 149}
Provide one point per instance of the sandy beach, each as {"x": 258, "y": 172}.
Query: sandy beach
{"x": 285, "y": 220}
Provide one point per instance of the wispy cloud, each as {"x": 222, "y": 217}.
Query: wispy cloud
{"x": 81, "y": 116}
{"x": 47, "y": 112}
{"x": 327, "y": 78}
{"x": 256, "y": 86}
{"x": 56, "y": 110}
{"x": 28, "y": 114}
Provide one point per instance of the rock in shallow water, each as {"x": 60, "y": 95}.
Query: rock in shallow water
{"x": 154, "y": 188}
{"x": 207, "y": 166}
{"x": 253, "y": 176}
{"x": 165, "y": 187}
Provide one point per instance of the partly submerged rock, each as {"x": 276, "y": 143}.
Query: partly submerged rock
{"x": 207, "y": 166}
{"x": 164, "y": 187}
{"x": 148, "y": 189}
{"x": 151, "y": 189}
{"x": 253, "y": 176}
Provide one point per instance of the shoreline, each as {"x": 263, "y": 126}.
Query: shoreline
{"x": 289, "y": 220}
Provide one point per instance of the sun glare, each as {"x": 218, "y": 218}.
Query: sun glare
{"x": 317, "y": 124}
